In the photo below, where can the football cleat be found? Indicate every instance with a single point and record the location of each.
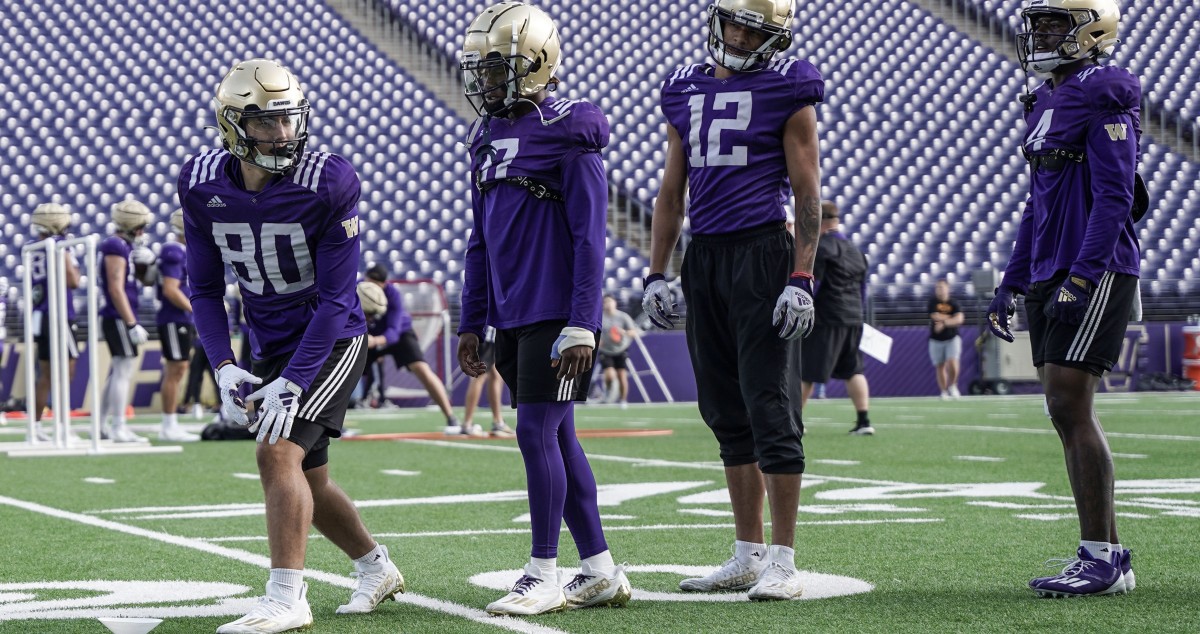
(501, 430)
(121, 433)
(471, 430)
(777, 583)
(591, 589)
(863, 430)
(453, 430)
(1127, 570)
(734, 574)
(270, 616)
(1081, 576)
(177, 434)
(373, 588)
(530, 595)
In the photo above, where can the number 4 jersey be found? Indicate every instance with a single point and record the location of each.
(732, 133)
(293, 247)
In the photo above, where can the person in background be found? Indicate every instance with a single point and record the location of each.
(175, 330)
(495, 388)
(50, 220)
(945, 346)
(617, 330)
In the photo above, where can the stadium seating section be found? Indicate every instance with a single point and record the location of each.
(919, 130)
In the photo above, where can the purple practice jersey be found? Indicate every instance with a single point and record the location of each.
(732, 131)
(1077, 218)
(116, 245)
(533, 259)
(396, 321)
(293, 247)
(37, 274)
(172, 262)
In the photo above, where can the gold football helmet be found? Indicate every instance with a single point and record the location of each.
(510, 52)
(130, 216)
(177, 222)
(771, 18)
(1091, 32)
(51, 219)
(259, 103)
(371, 296)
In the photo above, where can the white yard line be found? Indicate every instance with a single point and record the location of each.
(429, 603)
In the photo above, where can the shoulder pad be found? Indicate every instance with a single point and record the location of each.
(681, 73)
(802, 75)
(1110, 88)
(587, 124)
(201, 168)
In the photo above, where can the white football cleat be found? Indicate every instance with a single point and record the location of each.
(374, 588)
(530, 595)
(734, 574)
(121, 433)
(777, 584)
(176, 434)
(591, 589)
(271, 616)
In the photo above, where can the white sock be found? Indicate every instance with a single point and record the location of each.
(745, 551)
(285, 585)
(372, 560)
(169, 421)
(781, 555)
(601, 563)
(547, 569)
(1098, 550)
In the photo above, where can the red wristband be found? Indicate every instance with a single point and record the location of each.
(801, 274)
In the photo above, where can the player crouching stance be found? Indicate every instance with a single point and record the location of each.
(303, 317)
(534, 266)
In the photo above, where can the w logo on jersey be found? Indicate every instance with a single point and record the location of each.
(1116, 131)
(351, 227)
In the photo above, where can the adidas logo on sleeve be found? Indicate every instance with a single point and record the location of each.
(216, 201)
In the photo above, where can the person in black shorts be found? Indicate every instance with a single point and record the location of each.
(1076, 257)
(175, 329)
(832, 350)
(51, 220)
(390, 333)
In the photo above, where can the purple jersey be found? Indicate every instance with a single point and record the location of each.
(118, 246)
(37, 275)
(533, 259)
(396, 321)
(732, 132)
(172, 262)
(293, 247)
(1077, 218)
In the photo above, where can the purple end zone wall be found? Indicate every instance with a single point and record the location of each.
(1154, 347)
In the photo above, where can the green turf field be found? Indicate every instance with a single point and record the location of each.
(933, 525)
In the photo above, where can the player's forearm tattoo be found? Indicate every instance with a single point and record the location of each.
(808, 229)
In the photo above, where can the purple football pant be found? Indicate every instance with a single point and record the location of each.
(560, 481)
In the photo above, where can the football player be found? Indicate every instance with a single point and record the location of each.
(124, 258)
(534, 266)
(390, 333)
(1076, 257)
(174, 328)
(51, 220)
(741, 134)
(286, 222)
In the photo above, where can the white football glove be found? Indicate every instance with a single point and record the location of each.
(142, 255)
(229, 380)
(657, 302)
(280, 402)
(138, 335)
(794, 314)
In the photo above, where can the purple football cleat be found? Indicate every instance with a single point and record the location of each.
(1127, 570)
(1082, 576)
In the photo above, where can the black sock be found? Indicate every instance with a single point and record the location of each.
(863, 420)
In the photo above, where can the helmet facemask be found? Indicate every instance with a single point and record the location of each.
(776, 39)
(283, 131)
(494, 84)
(1073, 45)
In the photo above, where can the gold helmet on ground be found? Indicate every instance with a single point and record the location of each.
(260, 103)
(510, 52)
(51, 219)
(1091, 32)
(771, 18)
